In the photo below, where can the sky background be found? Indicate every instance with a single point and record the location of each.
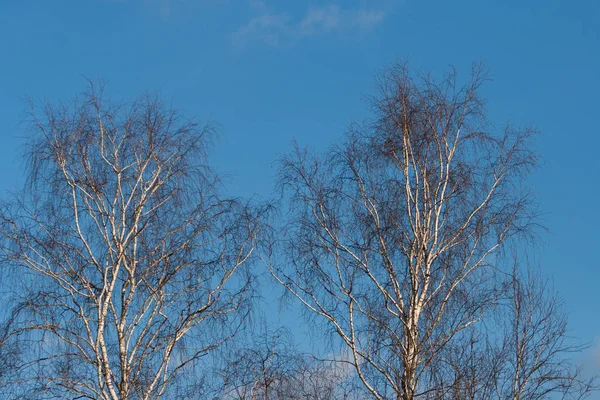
(269, 72)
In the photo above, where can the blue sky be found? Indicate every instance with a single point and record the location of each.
(271, 71)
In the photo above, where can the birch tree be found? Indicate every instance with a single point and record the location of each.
(395, 236)
(536, 349)
(525, 351)
(128, 265)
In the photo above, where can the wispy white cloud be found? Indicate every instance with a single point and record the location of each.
(594, 355)
(367, 19)
(266, 27)
(277, 28)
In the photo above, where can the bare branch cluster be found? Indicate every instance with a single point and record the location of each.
(272, 368)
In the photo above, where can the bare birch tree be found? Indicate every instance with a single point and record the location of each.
(535, 350)
(128, 265)
(395, 237)
(524, 352)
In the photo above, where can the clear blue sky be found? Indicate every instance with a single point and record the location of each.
(272, 71)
